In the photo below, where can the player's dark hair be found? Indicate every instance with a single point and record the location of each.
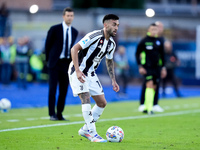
(110, 16)
(68, 9)
(152, 24)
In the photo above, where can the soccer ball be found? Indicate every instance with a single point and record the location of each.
(5, 104)
(115, 134)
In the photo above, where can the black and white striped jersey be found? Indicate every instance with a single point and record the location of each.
(94, 48)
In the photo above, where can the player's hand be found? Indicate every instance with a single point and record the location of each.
(80, 76)
(115, 86)
(142, 71)
(163, 72)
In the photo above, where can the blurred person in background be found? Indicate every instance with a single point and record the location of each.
(7, 59)
(156, 107)
(23, 53)
(121, 69)
(59, 41)
(36, 64)
(4, 13)
(148, 55)
(171, 62)
(13, 57)
(1, 42)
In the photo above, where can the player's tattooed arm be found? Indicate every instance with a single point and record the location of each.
(85, 98)
(110, 68)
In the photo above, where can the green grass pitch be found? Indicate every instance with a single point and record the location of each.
(177, 128)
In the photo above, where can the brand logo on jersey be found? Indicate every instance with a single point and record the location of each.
(157, 42)
(149, 47)
(101, 41)
(85, 41)
(100, 46)
(98, 60)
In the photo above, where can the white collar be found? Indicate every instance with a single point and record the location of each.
(65, 26)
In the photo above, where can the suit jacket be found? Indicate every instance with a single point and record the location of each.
(54, 43)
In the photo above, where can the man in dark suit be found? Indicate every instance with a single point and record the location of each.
(59, 41)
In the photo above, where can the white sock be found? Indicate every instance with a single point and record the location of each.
(96, 112)
(87, 115)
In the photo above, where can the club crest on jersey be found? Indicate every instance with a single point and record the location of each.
(85, 41)
(157, 42)
(101, 41)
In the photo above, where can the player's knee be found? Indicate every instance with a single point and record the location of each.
(102, 104)
(149, 84)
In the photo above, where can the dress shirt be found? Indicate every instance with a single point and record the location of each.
(62, 55)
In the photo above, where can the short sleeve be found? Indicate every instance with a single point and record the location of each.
(110, 53)
(89, 38)
(85, 41)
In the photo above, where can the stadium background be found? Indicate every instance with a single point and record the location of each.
(180, 19)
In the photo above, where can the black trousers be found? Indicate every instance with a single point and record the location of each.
(58, 76)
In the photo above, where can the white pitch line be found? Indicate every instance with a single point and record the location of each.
(176, 106)
(136, 110)
(13, 120)
(31, 119)
(43, 126)
(167, 107)
(65, 116)
(103, 120)
(185, 106)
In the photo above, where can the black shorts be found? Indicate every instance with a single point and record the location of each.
(153, 73)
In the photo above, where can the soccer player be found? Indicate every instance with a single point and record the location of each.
(149, 54)
(86, 57)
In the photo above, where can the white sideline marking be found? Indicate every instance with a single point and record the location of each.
(13, 120)
(30, 119)
(103, 120)
(66, 116)
(136, 110)
(176, 106)
(43, 118)
(185, 106)
(167, 107)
